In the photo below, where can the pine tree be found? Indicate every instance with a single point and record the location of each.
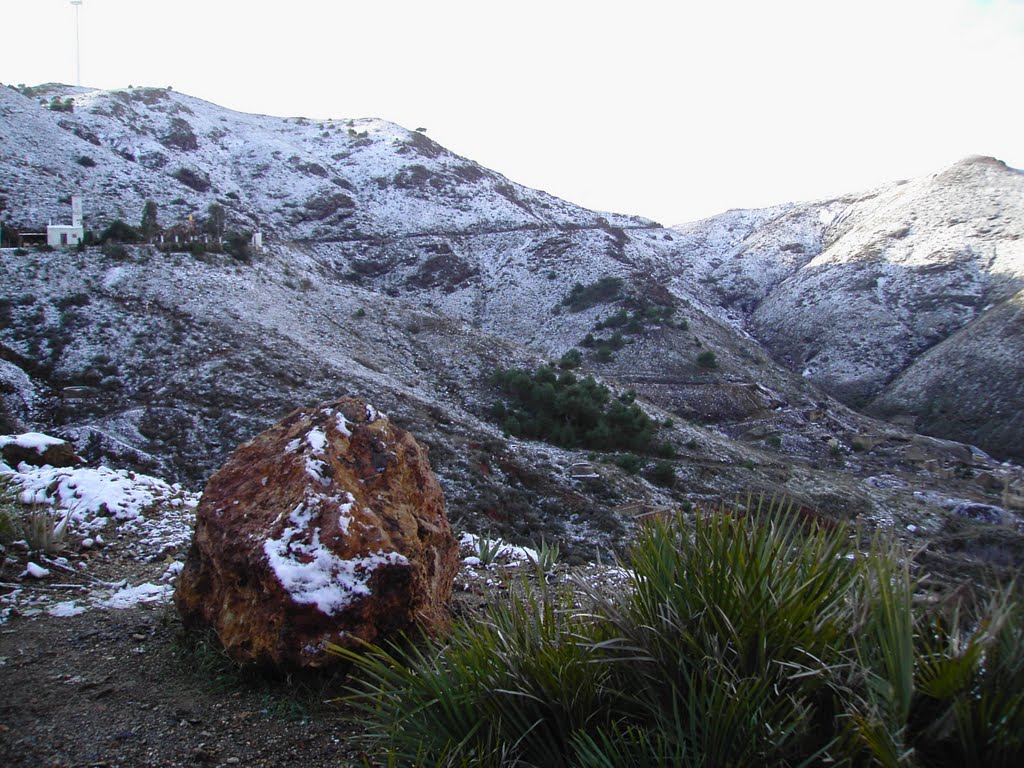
(215, 221)
(149, 227)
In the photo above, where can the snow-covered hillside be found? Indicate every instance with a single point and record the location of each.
(397, 270)
(862, 294)
(289, 178)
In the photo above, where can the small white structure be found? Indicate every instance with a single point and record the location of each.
(63, 235)
(257, 241)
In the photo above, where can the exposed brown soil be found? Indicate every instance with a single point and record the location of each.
(125, 688)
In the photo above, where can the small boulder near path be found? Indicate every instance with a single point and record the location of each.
(37, 450)
(329, 527)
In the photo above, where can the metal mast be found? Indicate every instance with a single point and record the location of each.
(78, 55)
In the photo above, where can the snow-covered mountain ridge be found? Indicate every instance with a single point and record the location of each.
(891, 300)
(396, 269)
(292, 179)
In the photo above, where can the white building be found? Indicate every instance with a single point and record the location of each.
(63, 235)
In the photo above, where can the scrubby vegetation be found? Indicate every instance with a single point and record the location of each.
(636, 321)
(707, 360)
(59, 105)
(195, 180)
(32, 524)
(120, 232)
(582, 297)
(634, 318)
(740, 640)
(571, 359)
(571, 412)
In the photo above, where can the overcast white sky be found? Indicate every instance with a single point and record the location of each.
(675, 110)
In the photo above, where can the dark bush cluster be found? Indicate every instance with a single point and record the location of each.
(707, 360)
(571, 412)
(65, 105)
(120, 232)
(636, 321)
(605, 290)
(571, 359)
(192, 179)
(180, 136)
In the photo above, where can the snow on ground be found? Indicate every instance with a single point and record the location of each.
(495, 550)
(126, 535)
(103, 516)
(31, 441)
(488, 563)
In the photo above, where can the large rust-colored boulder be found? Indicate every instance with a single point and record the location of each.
(327, 528)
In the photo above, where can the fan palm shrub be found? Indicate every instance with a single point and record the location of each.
(742, 639)
(939, 685)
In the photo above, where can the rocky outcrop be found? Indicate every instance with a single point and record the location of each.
(329, 527)
(971, 386)
(37, 450)
(898, 273)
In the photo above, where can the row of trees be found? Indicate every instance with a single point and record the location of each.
(212, 230)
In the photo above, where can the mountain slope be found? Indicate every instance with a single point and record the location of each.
(290, 178)
(853, 292)
(971, 385)
(398, 271)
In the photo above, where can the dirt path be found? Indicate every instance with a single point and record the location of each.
(113, 688)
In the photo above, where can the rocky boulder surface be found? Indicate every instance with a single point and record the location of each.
(329, 527)
(37, 450)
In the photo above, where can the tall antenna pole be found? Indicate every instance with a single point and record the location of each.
(78, 54)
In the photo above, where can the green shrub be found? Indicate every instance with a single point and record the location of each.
(635, 322)
(192, 179)
(617, 320)
(65, 105)
(120, 232)
(547, 556)
(663, 474)
(629, 462)
(149, 227)
(86, 162)
(707, 360)
(571, 359)
(603, 291)
(741, 639)
(665, 450)
(569, 411)
(487, 549)
(237, 245)
(115, 251)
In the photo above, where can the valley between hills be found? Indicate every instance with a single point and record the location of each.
(861, 357)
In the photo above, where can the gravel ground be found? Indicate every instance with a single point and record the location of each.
(124, 688)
